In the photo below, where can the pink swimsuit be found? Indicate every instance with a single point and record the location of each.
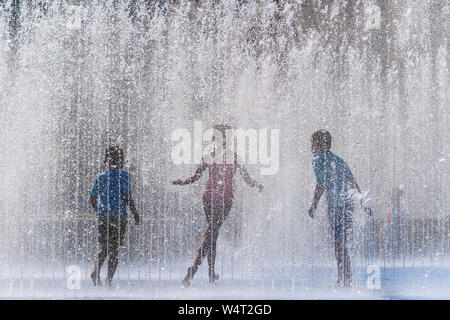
(219, 189)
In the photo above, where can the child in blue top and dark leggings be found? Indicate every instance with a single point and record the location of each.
(109, 197)
(335, 178)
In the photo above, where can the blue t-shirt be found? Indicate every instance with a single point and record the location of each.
(336, 175)
(110, 187)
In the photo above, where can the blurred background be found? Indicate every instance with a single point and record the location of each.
(78, 75)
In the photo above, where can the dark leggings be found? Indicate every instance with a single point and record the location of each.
(215, 216)
(340, 219)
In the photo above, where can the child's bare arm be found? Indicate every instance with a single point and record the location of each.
(129, 200)
(248, 180)
(198, 173)
(93, 201)
(318, 191)
(354, 185)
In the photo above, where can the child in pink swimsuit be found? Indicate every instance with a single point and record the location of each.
(217, 201)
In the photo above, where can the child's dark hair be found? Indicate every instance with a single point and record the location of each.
(114, 157)
(322, 138)
(223, 129)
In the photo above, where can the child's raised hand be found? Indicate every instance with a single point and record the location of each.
(136, 219)
(367, 204)
(311, 212)
(368, 211)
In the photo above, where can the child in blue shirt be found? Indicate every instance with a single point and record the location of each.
(335, 178)
(109, 197)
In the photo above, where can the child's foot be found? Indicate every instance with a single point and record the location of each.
(96, 279)
(214, 278)
(185, 283)
(109, 283)
(348, 283)
(112, 286)
(187, 280)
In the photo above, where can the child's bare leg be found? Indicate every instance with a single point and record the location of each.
(217, 223)
(212, 256)
(201, 253)
(112, 264)
(101, 257)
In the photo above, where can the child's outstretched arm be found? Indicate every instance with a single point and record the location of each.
(248, 180)
(318, 191)
(198, 173)
(129, 200)
(93, 201)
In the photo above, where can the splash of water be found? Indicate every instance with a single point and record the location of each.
(76, 77)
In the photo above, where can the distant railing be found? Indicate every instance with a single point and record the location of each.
(173, 237)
